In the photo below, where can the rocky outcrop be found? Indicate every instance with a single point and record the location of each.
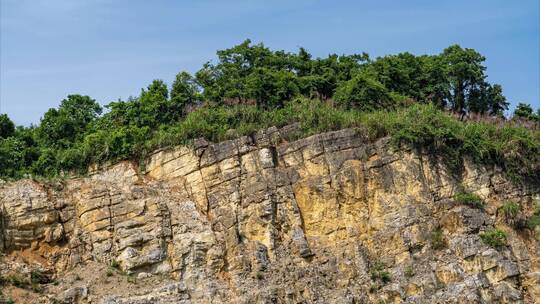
(332, 218)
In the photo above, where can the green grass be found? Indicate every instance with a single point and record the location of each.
(379, 273)
(495, 238)
(115, 264)
(514, 148)
(469, 199)
(510, 209)
(534, 219)
(423, 126)
(437, 239)
(409, 271)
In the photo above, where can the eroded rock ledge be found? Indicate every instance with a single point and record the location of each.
(262, 220)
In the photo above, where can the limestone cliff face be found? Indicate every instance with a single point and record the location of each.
(331, 218)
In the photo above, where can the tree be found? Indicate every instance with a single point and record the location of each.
(152, 105)
(7, 127)
(271, 88)
(11, 157)
(523, 110)
(497, 103)
(61, 127)
(185, 91)
(363, 92)
(465, 73)
(403, 73)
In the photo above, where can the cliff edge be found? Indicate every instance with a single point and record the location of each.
(332, 218)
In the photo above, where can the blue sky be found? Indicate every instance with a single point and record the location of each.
(111, 49)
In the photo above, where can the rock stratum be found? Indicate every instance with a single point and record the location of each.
(332, 218)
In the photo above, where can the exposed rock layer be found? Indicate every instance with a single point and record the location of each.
(331, 218)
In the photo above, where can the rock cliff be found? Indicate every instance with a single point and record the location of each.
(332, 218)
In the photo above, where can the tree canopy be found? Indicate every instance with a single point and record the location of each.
(80, 132)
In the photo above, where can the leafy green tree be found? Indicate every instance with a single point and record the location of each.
(403, 73)
(46, 164)
(185, 91)
(226, 79)
(151, 108)
(153, 105)
(328, 73)
(12, 152)
(7, 127)
(365, 93)
(523, 110)
(465, 72)
(271, 88)
(487, 99)
(437, 88)
(61, 127)
(497, 102)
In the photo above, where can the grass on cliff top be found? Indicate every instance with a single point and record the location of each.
(514, 148)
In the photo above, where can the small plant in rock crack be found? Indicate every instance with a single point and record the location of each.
(409, 271)
(374, 287)
(36, 288)
(18, 281)
(469, 199)
(131, 279)
(495, 238)
(510, 211)
(115, 264)
(38, 277)
(437, 239)
(534, 220)
(379, 273)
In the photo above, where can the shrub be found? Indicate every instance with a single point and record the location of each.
(378, 273)
(38, 277)
(437, 239)
(494, 237)
(18, 281)
(469, 199)
(534, 220)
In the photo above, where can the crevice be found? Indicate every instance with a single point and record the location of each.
(3, 227)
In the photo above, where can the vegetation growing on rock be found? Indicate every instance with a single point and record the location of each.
(469, 199)
(418, 100)
(495, 238)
